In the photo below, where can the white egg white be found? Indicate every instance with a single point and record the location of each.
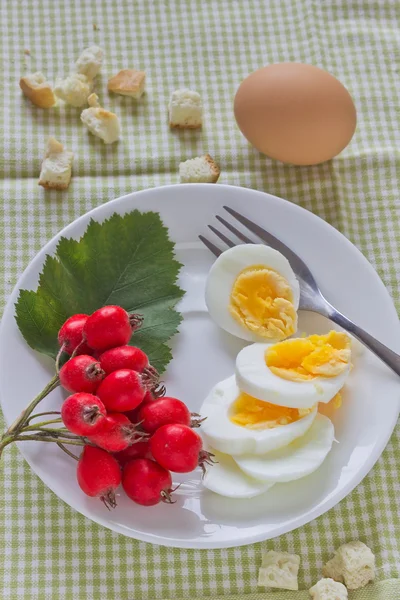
(225, 436)
(300, 458)
(254, 377)
(226, 479)
(223, 274)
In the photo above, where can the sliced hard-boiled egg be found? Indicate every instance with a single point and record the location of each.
(300, 458)
(225, 478)
(252, 292)
(296, 373)
(239, 424)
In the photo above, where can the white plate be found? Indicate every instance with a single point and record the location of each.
(203, 355)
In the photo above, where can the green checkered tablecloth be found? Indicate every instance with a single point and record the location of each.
(48, 550)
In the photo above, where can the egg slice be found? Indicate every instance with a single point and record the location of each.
(252, 292)
(296, 373)
(237, 424)
(226, 479)
(300, 458)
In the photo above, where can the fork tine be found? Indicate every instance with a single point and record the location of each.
(222, 237)
(233, 229)
(212, 247)
(296, 262)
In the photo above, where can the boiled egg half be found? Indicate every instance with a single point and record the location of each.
(226, 479)
(298, 459)
(252, 293)
(239, 424)
(295, 373)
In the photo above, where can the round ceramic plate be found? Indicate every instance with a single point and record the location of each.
(203, 355)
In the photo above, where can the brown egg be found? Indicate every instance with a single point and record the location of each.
(295, 113)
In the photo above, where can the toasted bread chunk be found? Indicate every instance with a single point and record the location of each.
(202, 169)
(38, 90)
(328, 589)
(353, 564)
(101, 122)
(128, 82)
(185, 109)
(89, 62)
(279, 570)
(74, 90)
(56, 166)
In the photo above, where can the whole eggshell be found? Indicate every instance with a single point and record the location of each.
(295, 113)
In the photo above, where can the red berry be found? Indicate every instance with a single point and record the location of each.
(148, 397)
(99, 474)
(81, 374)
(110, 326)
(133, 415)
(137, 450)
(122, 390)
(83, 414)
(178, 448)
(154, 415)
(116, 433)
(146, 482)
(71, 335)
(124, 357)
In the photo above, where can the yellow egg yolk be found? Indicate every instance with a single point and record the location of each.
(256, 414)
(303, 359)
(262, 301)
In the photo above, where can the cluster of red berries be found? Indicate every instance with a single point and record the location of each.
(136, 436)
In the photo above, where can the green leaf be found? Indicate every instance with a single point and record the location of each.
(126, 260)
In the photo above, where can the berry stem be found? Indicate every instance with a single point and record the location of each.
(41, 425)
(64, 449)
(196, 420)
(24, 416)
(44, 438)
(43, 414)
(57, 432)
(58, 357)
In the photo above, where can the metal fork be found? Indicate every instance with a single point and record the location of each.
(311, 298)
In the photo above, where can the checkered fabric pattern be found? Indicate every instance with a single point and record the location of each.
(48, 550)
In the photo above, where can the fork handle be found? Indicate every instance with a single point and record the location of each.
(388, 356)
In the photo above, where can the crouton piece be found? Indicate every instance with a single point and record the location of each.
(101, 122)
(89, 62)
(353, 564)
(202, 169)
(56, 166)
(279, 570)
(93, 100)
(185, 109)
(38, 90)
(74, 90)
(328, 589)
(128, 82)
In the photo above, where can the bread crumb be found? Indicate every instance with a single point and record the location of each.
(328, 589)
(279, 570)
(101, 122)
(185, 109)
(93, 100)
(38, 90)
(128, 82)
(74, 90)
(90, 61)
(202, 169)
(27, 52)
(95, 27)
(353, 564)
(56, 166)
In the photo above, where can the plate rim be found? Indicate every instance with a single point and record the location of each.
(37, 262)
